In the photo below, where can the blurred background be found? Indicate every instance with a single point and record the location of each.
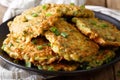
(114, 4)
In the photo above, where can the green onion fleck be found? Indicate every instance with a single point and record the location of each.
(103, 25)
(55, 30)
(74, 20)
(40, 47)
(64, 34)
(11, 44)
(72, 4)
(50, 68)
(3, 46)
(88, 67)
(48, 14)
(16, 61)
(28, 64)
(57, 33)
(39, 67)
(37, 58)
(82, 6)
(45, 44)
(34, 15)
(49, 44)
(93, 22)
(44, 7)
(108, 60)
(75, 13)
(64, 19)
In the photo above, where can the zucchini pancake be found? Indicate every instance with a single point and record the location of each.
(61, 37)
(102, 32)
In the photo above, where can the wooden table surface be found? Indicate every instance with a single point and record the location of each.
(110, 73)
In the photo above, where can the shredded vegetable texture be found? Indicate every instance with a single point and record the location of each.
(57, 37)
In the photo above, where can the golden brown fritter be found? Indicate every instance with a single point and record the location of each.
(31, 29)
(102, 32)
(38, 50)
(69, 43)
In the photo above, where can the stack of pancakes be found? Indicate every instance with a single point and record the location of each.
(61, 37)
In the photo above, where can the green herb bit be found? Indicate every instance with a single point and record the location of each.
(49, 44)
(57, 33)
(50, 68)
(72, 4)
(64, 34)
(11, 44)
(88, 67)
(37, 58)
(108, 60)
(3, 46)
(44, 7)
(93, 22)
(82, 6)
(103, 25)
(28, 64)
(64, 19)
(55, 30)
(48, 14)
(15, 61)
(75, 13)
(74, 20)
(40, 47)
(44, 44)
(34, 15)
(39, 67)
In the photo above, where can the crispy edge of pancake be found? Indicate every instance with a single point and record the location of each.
(67, 49)
(61, 10)
(61, 66)
(70, 10)
(103, 57)
(92, 34)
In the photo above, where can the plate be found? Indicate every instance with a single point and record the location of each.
(4, 31)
